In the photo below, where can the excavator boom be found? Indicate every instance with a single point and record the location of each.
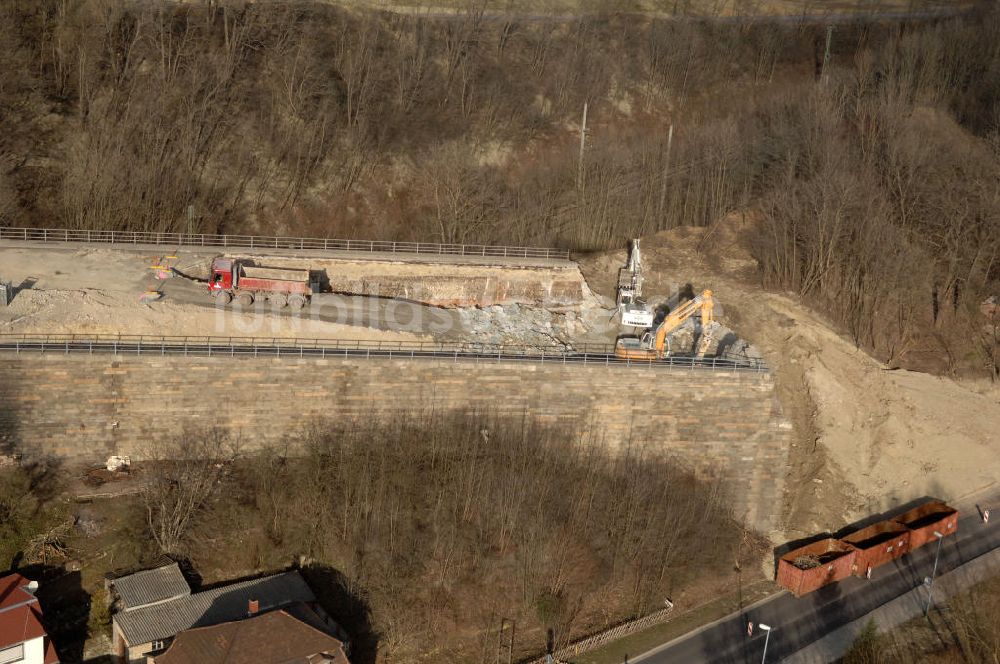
(632, 308)
(652, 346)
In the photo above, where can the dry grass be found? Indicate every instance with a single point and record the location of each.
(684, 620)
(965, 629)
(425, 530)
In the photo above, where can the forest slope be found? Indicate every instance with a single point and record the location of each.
(872, 183)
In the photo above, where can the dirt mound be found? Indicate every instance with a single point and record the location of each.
(867, 438)
(895, 435)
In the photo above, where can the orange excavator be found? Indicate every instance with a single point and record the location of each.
(655, 344)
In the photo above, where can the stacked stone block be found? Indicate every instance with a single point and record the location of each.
(86, 408)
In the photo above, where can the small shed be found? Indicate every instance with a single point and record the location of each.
(924, 519)
(6, 293)
(815, 565)
(878, 544)
(150, 586)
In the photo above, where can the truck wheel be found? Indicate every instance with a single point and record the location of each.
(245, 299)
(280, 301)
(222, 298)
(296, 301)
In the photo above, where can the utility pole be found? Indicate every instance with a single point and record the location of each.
(825, 74)
(190, 219)
(583, 144)
(666, 169)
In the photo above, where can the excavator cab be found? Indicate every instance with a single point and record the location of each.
(635, 348)
(654, 344)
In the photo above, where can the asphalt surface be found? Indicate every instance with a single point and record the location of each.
(798, 622)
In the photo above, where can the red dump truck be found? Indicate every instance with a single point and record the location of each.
(246, 282)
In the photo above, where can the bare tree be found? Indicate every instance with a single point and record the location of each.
(565, 535)
(181, 478)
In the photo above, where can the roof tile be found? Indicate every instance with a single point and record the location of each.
(269, 638)
(13, 591)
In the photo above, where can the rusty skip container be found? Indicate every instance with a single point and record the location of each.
(815, 565)
(924, 519)
(878, 544)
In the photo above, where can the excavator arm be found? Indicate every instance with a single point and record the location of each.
(632, 308)
(653, 346)
(701, 304)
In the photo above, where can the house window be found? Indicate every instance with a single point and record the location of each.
(157, 646)
(12, 654)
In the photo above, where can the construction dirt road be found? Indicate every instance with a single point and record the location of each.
(99, 290)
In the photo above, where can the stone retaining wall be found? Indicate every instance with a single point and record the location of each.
(88, 407)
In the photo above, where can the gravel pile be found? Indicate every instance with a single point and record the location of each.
(725, 343)
(518, 325)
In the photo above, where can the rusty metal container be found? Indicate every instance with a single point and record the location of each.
(878, 544)
(815, 565)
(924, 519)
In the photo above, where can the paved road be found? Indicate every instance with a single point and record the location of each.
(797, 622)
(355, 310)
(900, 610)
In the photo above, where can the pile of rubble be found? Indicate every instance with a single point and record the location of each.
(516, 325)
(725, 343)
(520, 325)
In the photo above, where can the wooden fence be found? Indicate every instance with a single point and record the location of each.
(607, 636)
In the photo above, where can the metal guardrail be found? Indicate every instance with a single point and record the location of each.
(274, 242)
(589, 354)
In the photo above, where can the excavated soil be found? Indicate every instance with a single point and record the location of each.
(867, 438)
(100, 291)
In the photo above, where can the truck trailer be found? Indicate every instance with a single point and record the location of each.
(242, 280)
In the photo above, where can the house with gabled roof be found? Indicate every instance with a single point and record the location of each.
(294, 635)
(153, 606)
(23, 638)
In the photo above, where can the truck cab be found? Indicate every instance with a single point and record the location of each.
(222, 275)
